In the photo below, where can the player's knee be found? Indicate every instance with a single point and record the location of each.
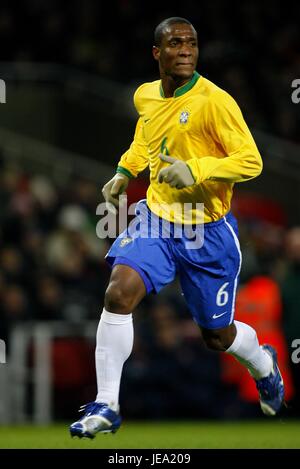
(218, 339)
(117, 301)
(214, 343)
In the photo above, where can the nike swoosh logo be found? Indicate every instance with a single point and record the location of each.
(216, 316)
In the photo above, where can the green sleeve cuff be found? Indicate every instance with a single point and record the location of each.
(124, 171)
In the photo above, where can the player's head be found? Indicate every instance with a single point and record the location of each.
(176, 48)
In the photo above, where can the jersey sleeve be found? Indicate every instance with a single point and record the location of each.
(225, 125)
(136, 158)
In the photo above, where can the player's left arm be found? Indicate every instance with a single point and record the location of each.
(178, 174)
(225, 124)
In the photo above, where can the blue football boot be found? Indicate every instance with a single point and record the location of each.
(98, 417)
(271, 388)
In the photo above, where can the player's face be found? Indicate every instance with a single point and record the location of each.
(178, 52)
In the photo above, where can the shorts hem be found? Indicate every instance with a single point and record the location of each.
(120, 260)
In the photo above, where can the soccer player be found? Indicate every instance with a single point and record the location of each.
(194, 139)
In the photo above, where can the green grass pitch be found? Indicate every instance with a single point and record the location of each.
(141, 435)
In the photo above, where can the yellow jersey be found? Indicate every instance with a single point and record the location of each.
(202, 125)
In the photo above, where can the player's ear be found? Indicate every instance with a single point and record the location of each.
(156, 52)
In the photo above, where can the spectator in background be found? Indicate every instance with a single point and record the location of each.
(259, 304)
(14, 309)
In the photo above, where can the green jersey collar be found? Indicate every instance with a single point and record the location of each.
(182, 89)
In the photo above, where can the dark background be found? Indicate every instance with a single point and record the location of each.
(71, 69)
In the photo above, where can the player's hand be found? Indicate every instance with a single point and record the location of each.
(113, 189)
(177, 175)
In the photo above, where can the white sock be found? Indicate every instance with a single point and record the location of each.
(245, 348)
(113, 347)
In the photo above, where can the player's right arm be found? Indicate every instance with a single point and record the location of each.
(136, 158)
(132, 162)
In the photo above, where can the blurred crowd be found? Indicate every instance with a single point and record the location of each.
(52, 267)
(249, 48)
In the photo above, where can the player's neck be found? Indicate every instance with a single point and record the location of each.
(170, 84)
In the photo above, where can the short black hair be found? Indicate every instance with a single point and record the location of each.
(159, 30)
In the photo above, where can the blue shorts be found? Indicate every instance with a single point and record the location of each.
(208, 274)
